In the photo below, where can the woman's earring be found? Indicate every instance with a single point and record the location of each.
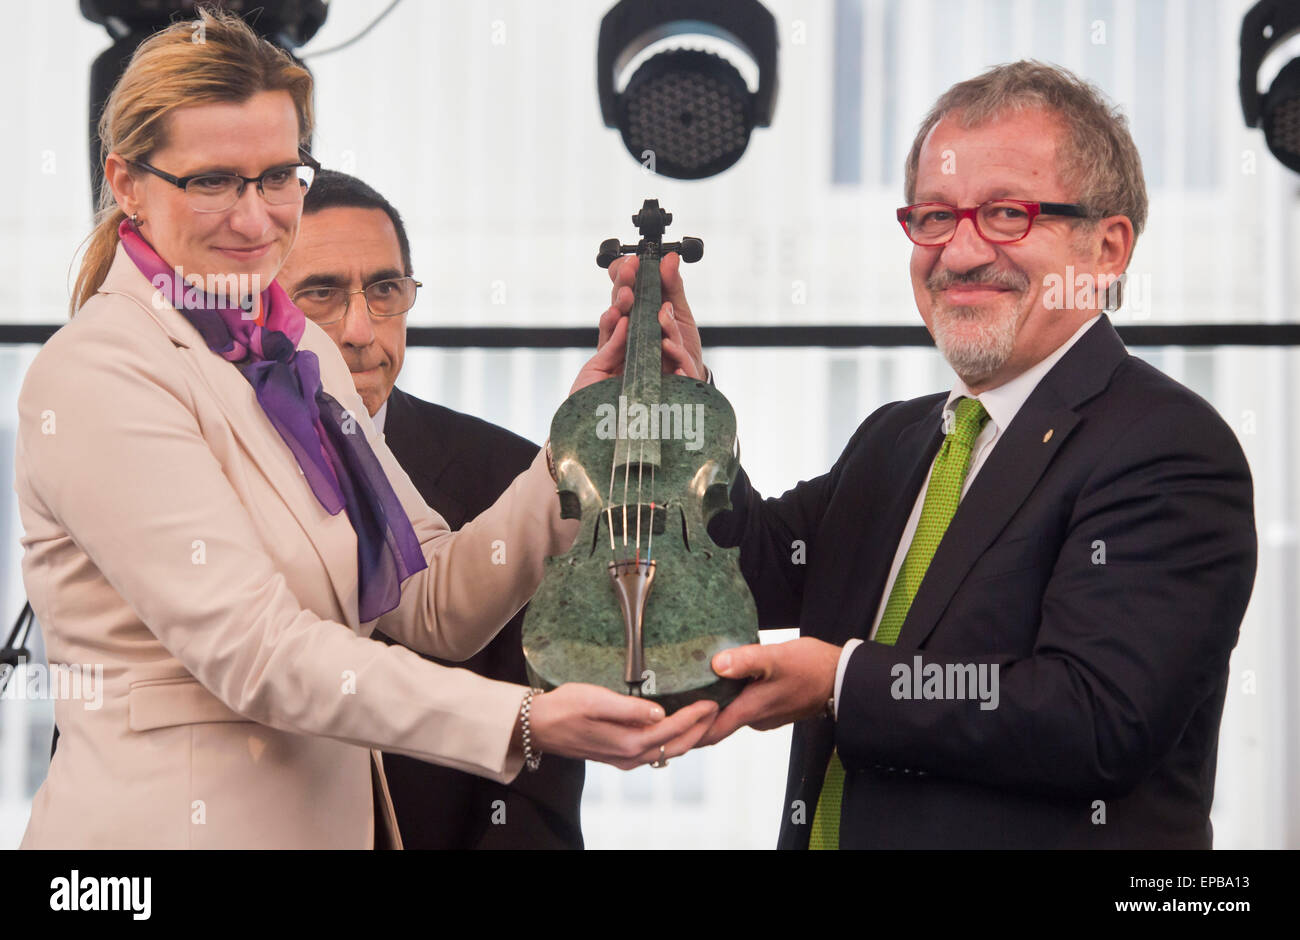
(135, 219)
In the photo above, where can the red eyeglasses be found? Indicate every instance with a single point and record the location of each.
(1000, 221)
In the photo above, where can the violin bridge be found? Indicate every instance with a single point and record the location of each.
(632, 582)
(652, 519)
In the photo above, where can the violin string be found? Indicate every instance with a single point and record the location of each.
(609, 502)
(632, 356)
(650, 540)
(613, 461)
(651, 534)
(654, 260)
(639, 469)
(609, 510)
(627, 469)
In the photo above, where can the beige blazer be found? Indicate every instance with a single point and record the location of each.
(171, 538)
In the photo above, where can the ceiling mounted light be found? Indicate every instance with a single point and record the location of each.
(685, 112)
(1267, 25)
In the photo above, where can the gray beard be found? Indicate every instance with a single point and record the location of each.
(975, 357)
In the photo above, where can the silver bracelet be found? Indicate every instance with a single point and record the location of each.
(532, 759)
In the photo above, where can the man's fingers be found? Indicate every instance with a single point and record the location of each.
(673, 286)
(684, 741)
(675, 359)
(675, 725)
(741, 661)
(670, 275)
(610, 355)
(620, 305)
(696, 711)
(623, 297)
(668, 323)
(624, 279)
(699, 716)
(674, 315)
(729, 719)
(757, 706)
(623, 265)
(622, 275)
(605, 327)
(616, 267)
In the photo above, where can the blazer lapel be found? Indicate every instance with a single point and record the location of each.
(1035, 435)
(412, 442)
(335, 544)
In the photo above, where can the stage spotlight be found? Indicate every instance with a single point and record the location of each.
(686, 113)
(1266, 26)
(286, 23)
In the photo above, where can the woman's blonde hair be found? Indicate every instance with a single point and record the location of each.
(213, 58)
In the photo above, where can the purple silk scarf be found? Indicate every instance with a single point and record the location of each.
(327, 442)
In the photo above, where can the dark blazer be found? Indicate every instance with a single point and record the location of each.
(1111, 675)
(461, 464)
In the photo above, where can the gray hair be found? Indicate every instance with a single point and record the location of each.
(1099, 160)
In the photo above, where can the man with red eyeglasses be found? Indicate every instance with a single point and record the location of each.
(1018, 597)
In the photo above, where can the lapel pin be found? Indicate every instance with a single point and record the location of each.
(1048, 436)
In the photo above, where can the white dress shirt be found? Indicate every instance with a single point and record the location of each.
(378, 417)
(1001, 403)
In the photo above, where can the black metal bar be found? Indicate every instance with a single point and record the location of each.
(837, 337)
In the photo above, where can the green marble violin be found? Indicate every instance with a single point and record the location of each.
(644, 598)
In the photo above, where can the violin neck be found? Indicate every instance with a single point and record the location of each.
(643, 362)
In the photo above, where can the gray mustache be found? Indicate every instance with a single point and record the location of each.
(1010, 280)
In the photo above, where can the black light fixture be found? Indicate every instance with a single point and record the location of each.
(686, 113)
(1277, 111)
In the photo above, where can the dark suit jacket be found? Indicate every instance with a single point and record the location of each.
(1111, 676)
(460, 465)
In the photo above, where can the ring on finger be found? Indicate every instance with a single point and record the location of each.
(662, 761)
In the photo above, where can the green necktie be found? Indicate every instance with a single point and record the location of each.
(941, 499)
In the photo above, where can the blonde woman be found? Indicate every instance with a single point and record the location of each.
(210, 515)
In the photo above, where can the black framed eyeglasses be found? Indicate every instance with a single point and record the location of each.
(216, 192)
(325, 305)
(1001, 221)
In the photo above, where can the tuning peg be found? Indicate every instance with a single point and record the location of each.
(691, 249)
(610, 249)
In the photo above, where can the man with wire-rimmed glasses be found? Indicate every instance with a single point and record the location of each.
(350, 272)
